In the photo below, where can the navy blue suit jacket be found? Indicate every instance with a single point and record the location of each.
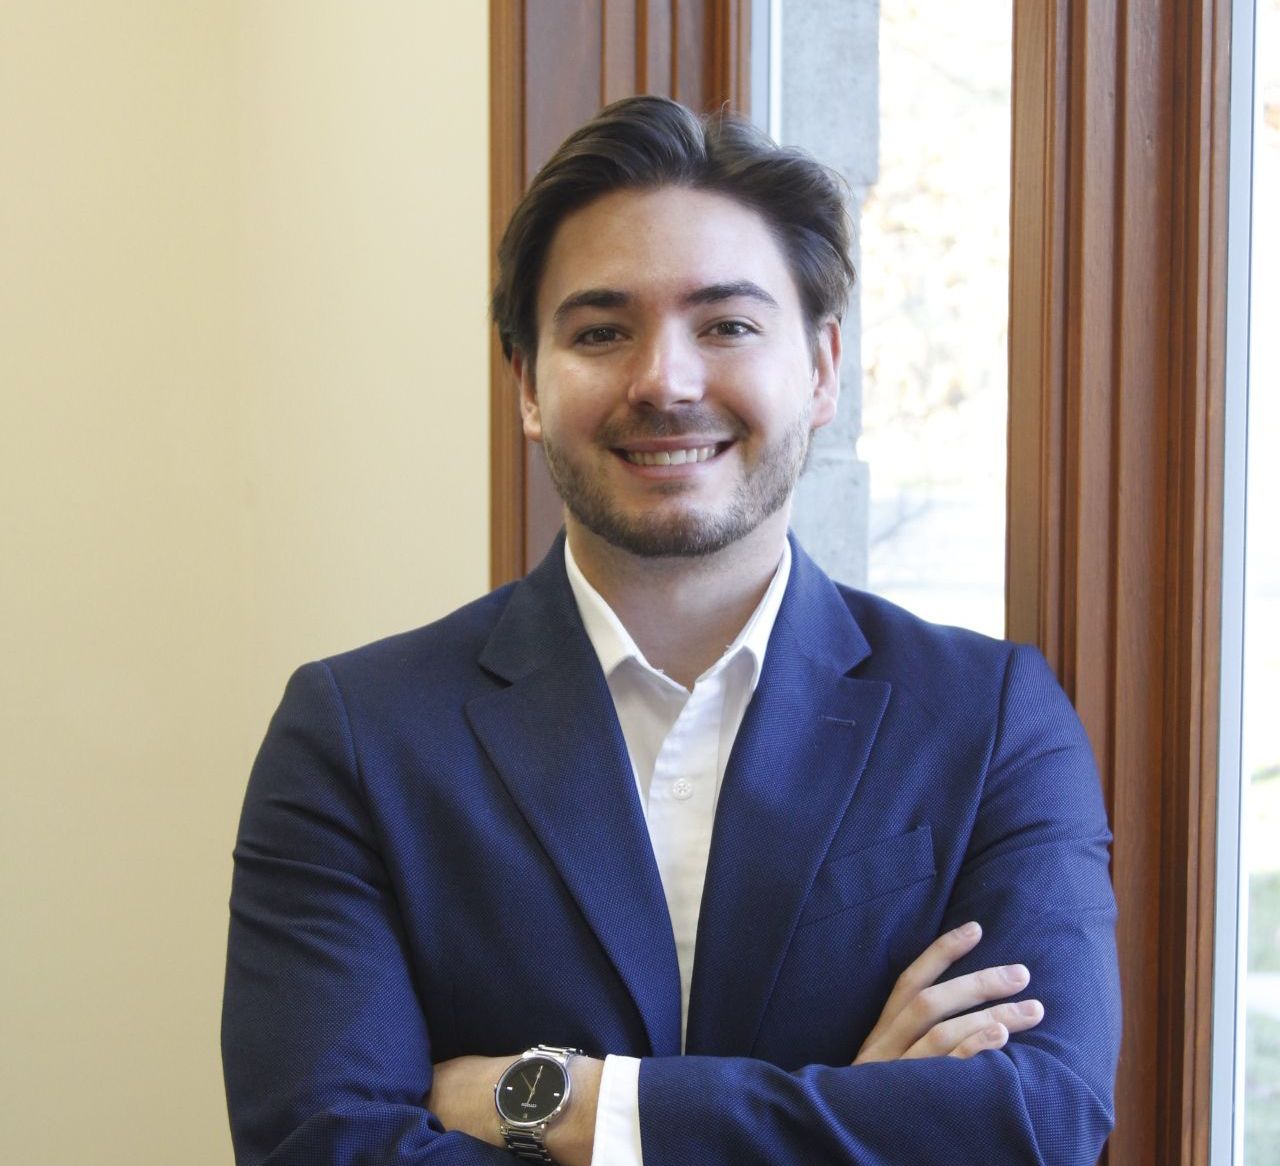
(443, 852)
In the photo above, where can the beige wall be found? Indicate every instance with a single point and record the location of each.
(243, 362)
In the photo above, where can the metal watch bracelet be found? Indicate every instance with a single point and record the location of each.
(529, 1145)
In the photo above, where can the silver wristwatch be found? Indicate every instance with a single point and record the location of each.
(532, 1093)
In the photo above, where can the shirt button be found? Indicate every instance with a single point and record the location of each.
(682, 788)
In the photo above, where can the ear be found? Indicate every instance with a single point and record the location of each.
(826, 373)
(530, 413)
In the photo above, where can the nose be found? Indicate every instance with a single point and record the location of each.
(668, 371)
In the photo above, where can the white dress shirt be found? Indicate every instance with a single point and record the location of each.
(679, 743)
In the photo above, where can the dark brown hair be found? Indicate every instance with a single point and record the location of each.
(642, 143)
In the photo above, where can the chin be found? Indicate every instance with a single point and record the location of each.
(684, 536)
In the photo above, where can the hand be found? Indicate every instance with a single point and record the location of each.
(926, 1019)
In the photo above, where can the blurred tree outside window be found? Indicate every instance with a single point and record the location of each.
(935, 292)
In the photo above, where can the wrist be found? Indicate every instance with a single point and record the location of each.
(571, 1140)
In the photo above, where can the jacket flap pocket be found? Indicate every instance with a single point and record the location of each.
(883, 866)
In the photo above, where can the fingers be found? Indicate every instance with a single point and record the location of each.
(950, 998)
(974, 1032)
(992, 1037)
(928, 966)
(891, 1036)
(924, 1018)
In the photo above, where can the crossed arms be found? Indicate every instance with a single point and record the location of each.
(334, 1014)
(923, 1017)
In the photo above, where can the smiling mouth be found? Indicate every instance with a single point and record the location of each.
(672, 457)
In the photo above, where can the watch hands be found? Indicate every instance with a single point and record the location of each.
(536, 1077)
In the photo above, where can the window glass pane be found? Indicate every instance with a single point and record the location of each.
(1260, 746)
(935, 290)
(910, 101)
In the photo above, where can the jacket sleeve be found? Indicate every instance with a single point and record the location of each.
(325, 1048)
(1035, 874)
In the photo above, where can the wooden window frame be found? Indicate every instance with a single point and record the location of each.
(1116, 360)
(1117, 374)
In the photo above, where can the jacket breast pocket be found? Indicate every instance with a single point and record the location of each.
(886, 865)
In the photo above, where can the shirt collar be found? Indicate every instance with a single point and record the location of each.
(613, 643)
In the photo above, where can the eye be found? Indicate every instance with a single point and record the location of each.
(732, 329)
(600, 334)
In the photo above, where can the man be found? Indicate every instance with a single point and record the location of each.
(789, 898)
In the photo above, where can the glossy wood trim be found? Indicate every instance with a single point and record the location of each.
(506, 181)
(1201, 43)
(1115, 481)
(729, 53)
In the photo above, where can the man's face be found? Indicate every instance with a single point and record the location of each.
(676, 384)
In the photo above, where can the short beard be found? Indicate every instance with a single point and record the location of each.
(686, 533)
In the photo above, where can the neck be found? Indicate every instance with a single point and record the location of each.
(682, 612)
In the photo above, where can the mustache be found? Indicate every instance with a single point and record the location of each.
(678, 423)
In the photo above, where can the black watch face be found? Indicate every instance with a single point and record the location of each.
(532, 1090)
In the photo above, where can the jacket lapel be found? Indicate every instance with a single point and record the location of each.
(795, 765)
(554, 738)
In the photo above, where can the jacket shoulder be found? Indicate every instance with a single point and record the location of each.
(888, 625)
(937, 661)
(439, 655)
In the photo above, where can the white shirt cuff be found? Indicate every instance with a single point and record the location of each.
(618, 1114)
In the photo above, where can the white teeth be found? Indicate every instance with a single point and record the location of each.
(674, 457)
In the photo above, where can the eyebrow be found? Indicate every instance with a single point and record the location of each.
(737, 289)
(593, 297)
(714, 293)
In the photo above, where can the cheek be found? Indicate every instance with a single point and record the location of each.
(568, 414)
(574, 398)
(769, 405)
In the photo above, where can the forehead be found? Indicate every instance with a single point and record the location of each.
(658, 244)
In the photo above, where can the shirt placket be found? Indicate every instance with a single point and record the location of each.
(682, 812)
